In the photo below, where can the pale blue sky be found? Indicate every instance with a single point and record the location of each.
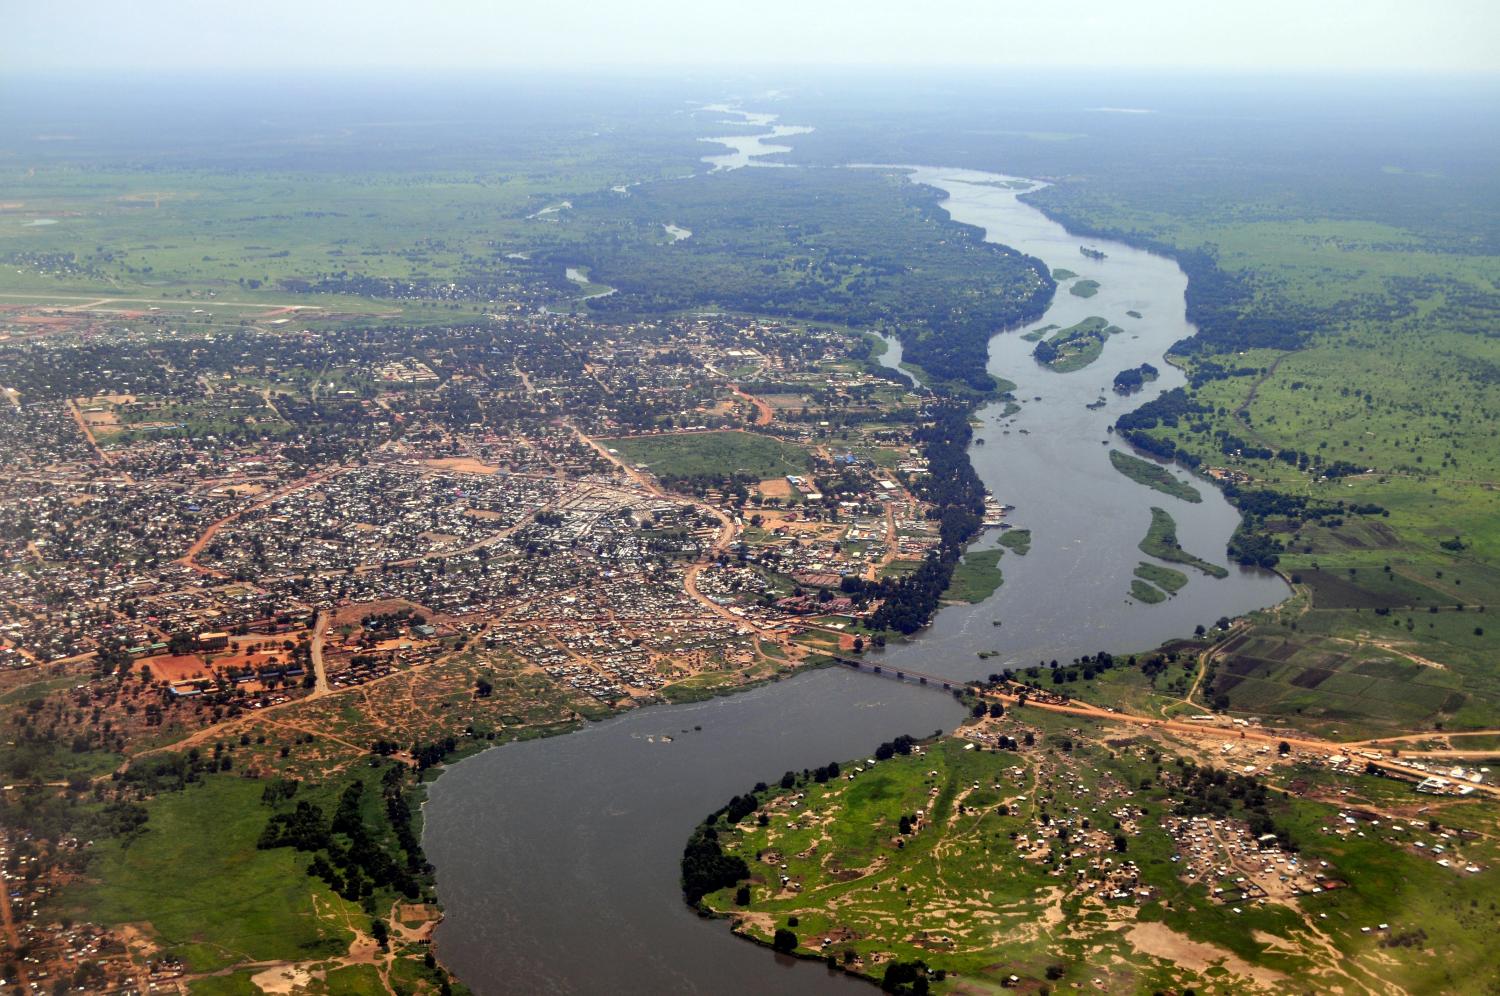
(582, 35)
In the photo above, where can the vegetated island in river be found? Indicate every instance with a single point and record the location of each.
(1161, 543)
(1153, 582)
(1076, 346)
(1132, 380)
(1153, 476)
(1143, 592)
(1018, 541)
(1084, 288)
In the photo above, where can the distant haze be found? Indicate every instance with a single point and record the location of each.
(274, 35)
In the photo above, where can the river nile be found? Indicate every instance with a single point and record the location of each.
(557, 860)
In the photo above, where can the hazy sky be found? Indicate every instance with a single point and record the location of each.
(1307, 35)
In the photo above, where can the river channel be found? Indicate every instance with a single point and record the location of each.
(557, 859)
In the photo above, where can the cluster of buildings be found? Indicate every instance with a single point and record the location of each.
(1235, 865)
(78, 957)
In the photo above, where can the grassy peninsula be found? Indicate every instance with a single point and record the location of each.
(976, 577)
(1161, 543)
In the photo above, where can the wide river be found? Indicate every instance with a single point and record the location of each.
(557, 860)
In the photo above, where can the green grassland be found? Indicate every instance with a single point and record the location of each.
(256, 238)
(1359, 673)
(1060, 274)
(1161, 543)
(1153, 476)
(208, 894)
(976, 577)
(1084, 288)
(956, 894)
(713, 454)
(234, 218)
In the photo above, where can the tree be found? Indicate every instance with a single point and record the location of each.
(905, 978)
(706, 868)
(1283, 748)
(785, 941)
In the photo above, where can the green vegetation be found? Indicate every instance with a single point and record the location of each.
(1164, 578)
(1143, 592)
(712, 454)
(1161, 543)
(1018, 541)
(864, 248)
(1075, 347)
(976, 577)
(1060, 274)
(1344, 293)
(1036, 335)
(1153, 475)
(210, 895)
(866, 865)
(1084, 288)
(357, 980)
(1386, 679)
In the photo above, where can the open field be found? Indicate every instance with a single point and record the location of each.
(712, 454)
(208, 894)
(1362, 674)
